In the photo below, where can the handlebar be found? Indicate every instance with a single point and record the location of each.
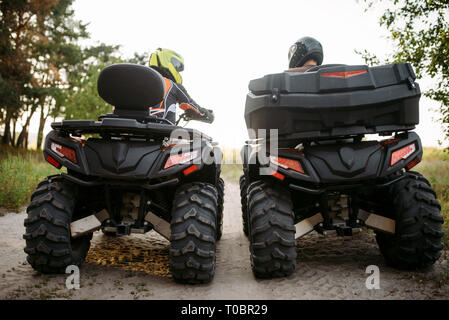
(206, 116)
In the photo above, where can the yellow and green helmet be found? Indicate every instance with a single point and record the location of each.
(168, 60)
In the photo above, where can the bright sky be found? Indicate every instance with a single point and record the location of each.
(225, 44)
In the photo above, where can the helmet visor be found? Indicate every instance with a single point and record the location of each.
(179, 66)
(292, 51)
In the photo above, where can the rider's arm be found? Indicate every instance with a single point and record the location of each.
(185, 101)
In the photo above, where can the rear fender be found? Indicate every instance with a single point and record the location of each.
(81, 166)
(349, 163)
(204, 167)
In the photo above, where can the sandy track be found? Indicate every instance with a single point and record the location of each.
(136, 267)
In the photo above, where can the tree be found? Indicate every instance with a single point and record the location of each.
(419, 31)
(15, 43)
(82, 100)
(55, 52)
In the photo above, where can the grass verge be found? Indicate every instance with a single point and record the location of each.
(20, 172)
(435, 168)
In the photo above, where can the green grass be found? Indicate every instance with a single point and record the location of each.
(435, 167)
(20, 172)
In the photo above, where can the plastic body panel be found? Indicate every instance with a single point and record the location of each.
(340, 163)
(131, 161)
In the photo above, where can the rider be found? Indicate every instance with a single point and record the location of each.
(304, 54)
(169, 64)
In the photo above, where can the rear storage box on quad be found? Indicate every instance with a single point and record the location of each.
(334, 100)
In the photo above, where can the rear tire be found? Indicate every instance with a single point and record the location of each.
(417, 242)
(271, 230)
(244, 202)
(220, 207)
(49, 244)
(193, 233)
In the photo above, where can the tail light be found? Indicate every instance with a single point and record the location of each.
(64, 152)
(180, 158)
(402, 154)
(287, 164)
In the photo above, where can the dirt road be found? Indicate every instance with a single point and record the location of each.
(136, 267)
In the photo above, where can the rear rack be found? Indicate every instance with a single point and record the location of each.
(120, 126)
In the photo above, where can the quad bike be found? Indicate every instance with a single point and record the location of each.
(128, 173)
(324, 173)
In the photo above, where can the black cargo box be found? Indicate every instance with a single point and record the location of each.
(334, 101)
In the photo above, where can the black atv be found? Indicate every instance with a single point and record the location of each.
(324, 173)
(128, 173)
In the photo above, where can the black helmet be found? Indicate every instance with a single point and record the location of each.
(303, 50)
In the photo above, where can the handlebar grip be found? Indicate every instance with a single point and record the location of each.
(205, 116)
(209, 116)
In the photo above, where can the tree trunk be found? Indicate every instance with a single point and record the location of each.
(40, 133)
(6, 139)
(22, 140)
(13, 140)
(22, 136)
(25, 145)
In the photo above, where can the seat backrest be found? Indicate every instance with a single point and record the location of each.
(131, 89)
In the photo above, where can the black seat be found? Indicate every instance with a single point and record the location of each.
(131, 89)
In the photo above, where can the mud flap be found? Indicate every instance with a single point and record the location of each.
(160, 225)
(377, 222)
(88, 224)
(307, 225)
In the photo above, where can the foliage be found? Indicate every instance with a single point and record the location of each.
(419, 31)
(42, 67)
(83, 101)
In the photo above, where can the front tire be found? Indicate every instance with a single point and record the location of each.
(417, 241)
(193, 233)
(49, 244)
(271, 230)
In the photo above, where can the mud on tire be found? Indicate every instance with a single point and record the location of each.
(243, 200)
(417, 242)
(271, 230)
(220, 207)
(49, 245)
(193, 233)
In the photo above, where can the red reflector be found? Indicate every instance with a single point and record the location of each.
(402, 154)
(345, 74)
(413, 163)
(189, 170)
(53, 162)
(278, 175)
(287, 163)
